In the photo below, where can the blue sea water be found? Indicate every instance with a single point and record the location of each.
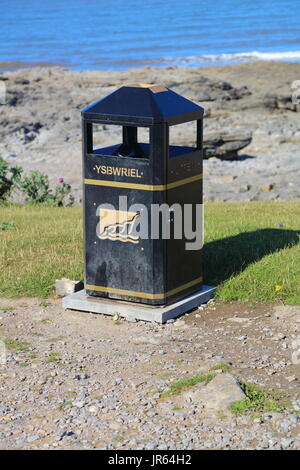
(118, 34)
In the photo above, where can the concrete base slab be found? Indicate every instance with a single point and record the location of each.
(133, 311)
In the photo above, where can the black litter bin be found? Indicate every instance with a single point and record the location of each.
(125, 182)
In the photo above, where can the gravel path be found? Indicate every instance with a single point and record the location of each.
(81, 381)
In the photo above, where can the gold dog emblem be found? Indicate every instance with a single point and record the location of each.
(118, 225)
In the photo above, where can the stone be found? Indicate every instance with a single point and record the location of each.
(225, 146)
(218, 394)
(93, 409)
(79, 404)
(33, 437)
(286, 442)
(136, 383)
(274, 101)
(238, 319)
(278, 337)
(66, 286)
(61, 434)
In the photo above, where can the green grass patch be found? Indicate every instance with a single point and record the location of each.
(46, 244)
(248, 256)
(221, 366)
(118, 438)
(63, 404)
(53, 357)
(7, 225)
(251, 250)
(176, 388)
(45, 304)
(16, 345)
(260, 400)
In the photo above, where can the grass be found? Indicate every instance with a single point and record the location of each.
(16, 345)
(53, 357)
(45, 304)
(7, 225)
(176, 388)
(118, 438)
(248, 256)
(247, 252)
(63, 404)
(222, 366)
(260, 400)
(46, 244)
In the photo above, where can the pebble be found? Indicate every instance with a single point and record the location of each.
(286, 442)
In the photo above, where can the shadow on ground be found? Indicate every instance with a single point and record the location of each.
(229, 256)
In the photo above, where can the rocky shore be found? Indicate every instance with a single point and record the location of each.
(252, 128)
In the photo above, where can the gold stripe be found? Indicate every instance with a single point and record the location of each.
(154, 87)
(184, 286)
(144, 187)
(191, 179)
(145, 295)
(122, 184)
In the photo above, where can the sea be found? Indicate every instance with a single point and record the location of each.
(121, 34)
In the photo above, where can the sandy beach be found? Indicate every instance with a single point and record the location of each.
(244, 104)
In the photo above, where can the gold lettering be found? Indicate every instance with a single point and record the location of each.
(118, 171)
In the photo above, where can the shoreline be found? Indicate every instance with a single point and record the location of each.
(196, 62)
(40, 124)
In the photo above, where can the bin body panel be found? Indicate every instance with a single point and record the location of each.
(184, 267)
(117, 265)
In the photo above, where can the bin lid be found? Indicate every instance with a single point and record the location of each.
(145, 104)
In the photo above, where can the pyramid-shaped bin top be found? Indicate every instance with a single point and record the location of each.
(143, 104)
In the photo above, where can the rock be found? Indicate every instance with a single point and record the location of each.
(218, 90)
(218, 394)
(282, 102)
(93, 409)
(33, 437)
(21, 81)
(225, 146)
(14, 97)
(136, 383)
(115, 426)
(61, 434)
(66, 286)
(79, 404)
(286, 442)
(278, 337)
(238, 319)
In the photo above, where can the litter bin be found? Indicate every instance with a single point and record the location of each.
(126, 185)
